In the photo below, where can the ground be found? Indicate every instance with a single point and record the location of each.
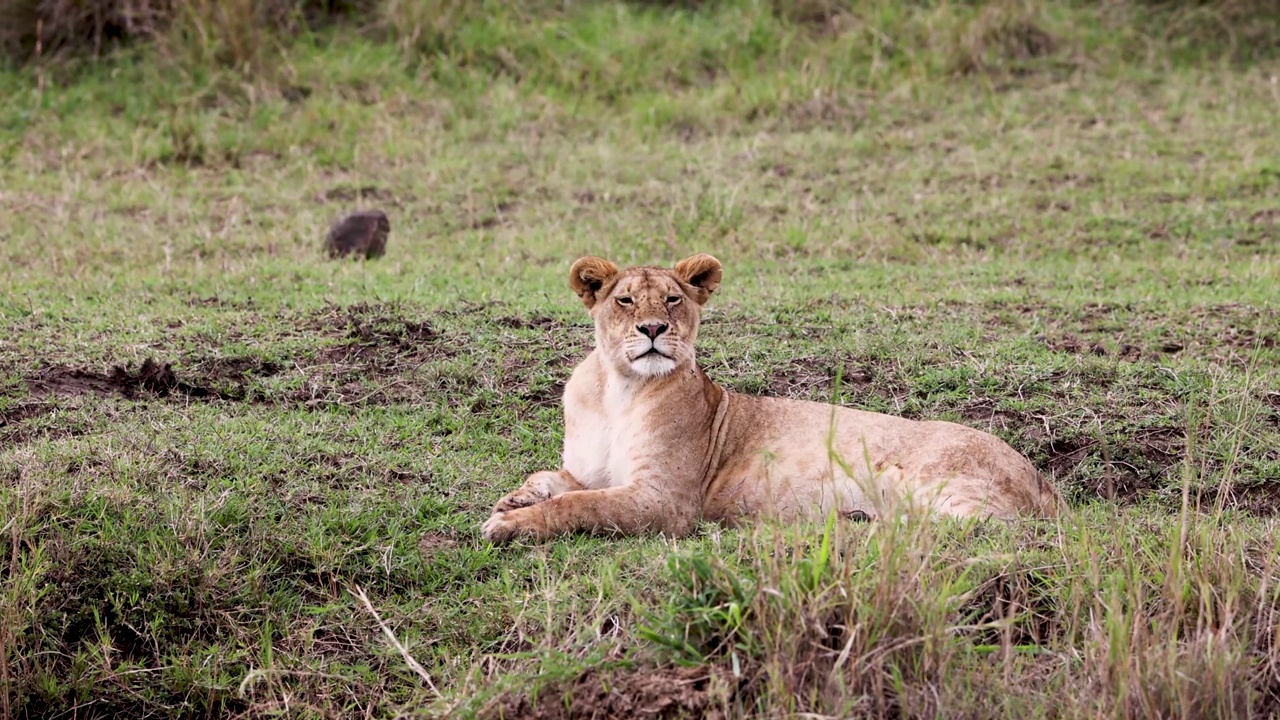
(213, 437)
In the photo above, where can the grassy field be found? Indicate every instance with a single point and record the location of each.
(230, 467)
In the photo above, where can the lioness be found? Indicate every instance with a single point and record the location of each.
(652, 444)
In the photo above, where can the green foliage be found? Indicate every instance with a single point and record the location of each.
(1053, 221)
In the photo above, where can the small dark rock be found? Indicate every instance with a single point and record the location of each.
(363, 233)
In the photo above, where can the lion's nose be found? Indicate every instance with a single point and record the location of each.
(652, 330)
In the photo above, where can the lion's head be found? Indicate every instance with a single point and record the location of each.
(646, 317)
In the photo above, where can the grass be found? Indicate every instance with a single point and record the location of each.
(1068, 240)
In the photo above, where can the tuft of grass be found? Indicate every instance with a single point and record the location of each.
(1003, 36)
(921, 617)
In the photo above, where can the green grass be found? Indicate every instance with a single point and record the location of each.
(1074, 249)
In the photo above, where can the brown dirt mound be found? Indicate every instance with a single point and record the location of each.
(666, 693)
(151, 376)
(212, 379)
(209, 379)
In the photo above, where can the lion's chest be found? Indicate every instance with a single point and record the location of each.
(587, 443)
(597, 442)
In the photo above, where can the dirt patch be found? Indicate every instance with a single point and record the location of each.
(209, 379)
(1072, 345)
(235, 369)
(433, 543)
(1133, 462)
(152, 376)
(23, 410)
(492, 216)
(665, 693)
(1262, 499)
(15, 430)
(150, 379)
(371, 332)
(548, 396)
(368, 354)
(816, 377)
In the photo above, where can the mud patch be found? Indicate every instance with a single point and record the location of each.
(367, 354)
(209, 379)
(222, 379)
(215, 301)
(152, 376)
(824, 111)
(666, 693)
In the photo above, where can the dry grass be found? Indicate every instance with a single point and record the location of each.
(987, 35)
(923, 619)
(236, 33)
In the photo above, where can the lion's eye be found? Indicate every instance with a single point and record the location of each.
(673, 299)
(624, 300)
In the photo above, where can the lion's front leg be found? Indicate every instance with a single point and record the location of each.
(538, 487)
(618, 510)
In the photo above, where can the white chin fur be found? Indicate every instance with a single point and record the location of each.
(653, 365)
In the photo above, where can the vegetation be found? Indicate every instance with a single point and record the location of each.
(238, 478)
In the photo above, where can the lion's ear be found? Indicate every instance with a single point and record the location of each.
(589, 275)
(701, 271)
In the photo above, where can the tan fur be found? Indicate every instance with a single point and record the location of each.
(652, 445)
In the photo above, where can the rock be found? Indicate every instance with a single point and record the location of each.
(363, 233)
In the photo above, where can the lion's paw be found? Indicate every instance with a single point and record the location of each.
(500, 528)
(522, 497)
